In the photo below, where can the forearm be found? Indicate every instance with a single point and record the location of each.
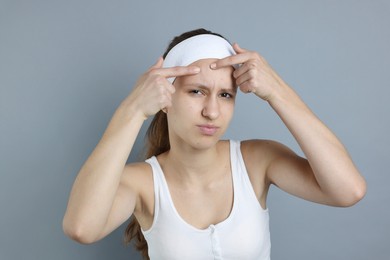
(332, 166)
(95, 187)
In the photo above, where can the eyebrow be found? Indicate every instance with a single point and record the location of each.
(203, 86)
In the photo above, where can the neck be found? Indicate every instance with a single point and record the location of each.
(194, 166)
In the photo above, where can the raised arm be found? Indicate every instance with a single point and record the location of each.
(104, 194)
(328, 175)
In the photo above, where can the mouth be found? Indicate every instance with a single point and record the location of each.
(208, 129)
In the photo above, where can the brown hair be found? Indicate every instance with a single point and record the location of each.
(157, 142)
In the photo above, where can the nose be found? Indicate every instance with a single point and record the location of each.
(211, 108)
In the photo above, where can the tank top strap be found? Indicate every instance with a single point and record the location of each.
(152, 161)
(237, 161)
(161, 186)
(163, 204)
(241, 174)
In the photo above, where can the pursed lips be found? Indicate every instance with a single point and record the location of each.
(208, 129)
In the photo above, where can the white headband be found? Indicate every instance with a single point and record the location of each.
(198, 47)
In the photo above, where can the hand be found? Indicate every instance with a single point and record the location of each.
(153, 91)
(254, 75)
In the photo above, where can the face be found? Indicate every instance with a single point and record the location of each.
(202, 106)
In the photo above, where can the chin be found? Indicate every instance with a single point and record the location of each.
(205, 142)
(196, 140)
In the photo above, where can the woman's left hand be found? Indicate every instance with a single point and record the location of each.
(254, 75)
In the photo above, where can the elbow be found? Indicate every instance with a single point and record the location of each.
(356, 194)
(77, 233)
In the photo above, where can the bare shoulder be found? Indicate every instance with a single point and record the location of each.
(138, 177)
(258, 154)
(265, 150)
(274, 159)
(136, 172)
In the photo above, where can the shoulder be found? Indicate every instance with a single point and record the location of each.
(269, 157)
(266, 149)
(258, 154)
(138, 177)
(137, 173)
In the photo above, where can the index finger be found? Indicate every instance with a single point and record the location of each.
(236, 59)
(178, 71)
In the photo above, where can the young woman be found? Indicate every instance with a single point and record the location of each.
(199, 197)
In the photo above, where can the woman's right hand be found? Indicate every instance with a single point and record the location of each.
(152, 91)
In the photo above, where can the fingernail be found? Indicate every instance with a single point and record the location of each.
(213, 65)
(196, 69)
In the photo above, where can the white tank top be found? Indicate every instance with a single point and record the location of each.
(244, 234)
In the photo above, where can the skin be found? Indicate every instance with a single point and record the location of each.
(107, 192)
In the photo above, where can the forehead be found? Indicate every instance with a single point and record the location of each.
(207, 76)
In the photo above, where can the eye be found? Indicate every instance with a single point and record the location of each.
(196, 92)
(226, 95)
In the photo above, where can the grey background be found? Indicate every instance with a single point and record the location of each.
(66, 65)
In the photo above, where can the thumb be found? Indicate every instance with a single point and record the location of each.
(158, 64)
(238, 49)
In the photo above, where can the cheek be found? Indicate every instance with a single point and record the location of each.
(229, 111)
(177, 101)
(230, 115)
(182, 106)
